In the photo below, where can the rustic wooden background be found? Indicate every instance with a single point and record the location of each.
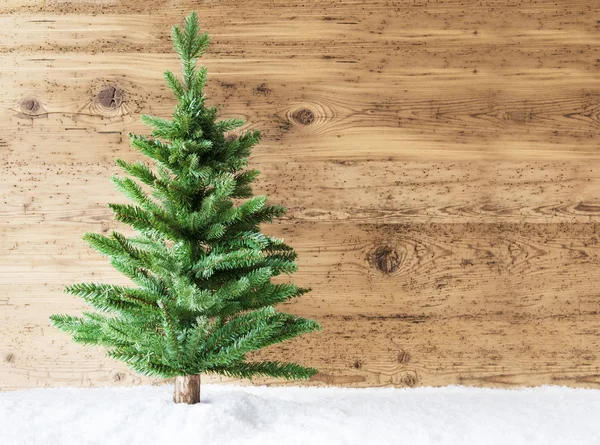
(439, 158)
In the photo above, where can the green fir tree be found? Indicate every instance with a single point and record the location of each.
(203, 297)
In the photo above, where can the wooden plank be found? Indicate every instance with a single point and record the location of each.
(362, 352)
(360, 191)
(529, 14)
(392, 266)
(476, 123)
(150, 34)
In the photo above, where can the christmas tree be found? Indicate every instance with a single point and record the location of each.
(203, 297)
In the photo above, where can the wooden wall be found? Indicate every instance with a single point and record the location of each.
(439, 158)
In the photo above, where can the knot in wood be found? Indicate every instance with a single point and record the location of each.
(110, 98)
(519, 116)
(30, 106)
(409, 379)
(403, 357)
(386, 259)
(303, 116)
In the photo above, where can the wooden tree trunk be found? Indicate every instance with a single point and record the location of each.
(187, 389)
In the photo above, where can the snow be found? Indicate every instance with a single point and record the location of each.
(232, 415)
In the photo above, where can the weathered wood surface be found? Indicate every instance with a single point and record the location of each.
(440, 162)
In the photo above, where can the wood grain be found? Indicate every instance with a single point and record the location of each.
(450, 296)
(440, 163)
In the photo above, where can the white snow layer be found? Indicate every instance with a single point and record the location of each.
(231, 415)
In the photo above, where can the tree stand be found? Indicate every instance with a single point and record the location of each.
(187, 389)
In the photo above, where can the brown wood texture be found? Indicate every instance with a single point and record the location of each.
(187, 389)
(440, 161)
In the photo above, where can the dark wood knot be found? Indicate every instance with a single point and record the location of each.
(385, 259)
(403, 357)
(30, 106)
(409, 379)
(303, 116)
(110, 98)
